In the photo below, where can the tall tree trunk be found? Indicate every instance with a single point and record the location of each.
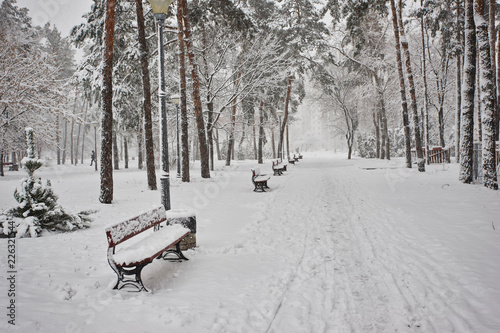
(125, 149)
(273, 143)
(65, 140)
(285, 117)
(404, 104)
(413, 97)
(146, 90)
(84, 112)
(210, 103)
(183, 98)
(376, 122)
(479, 106)
(200, 122)
(72, 138)
(106, 192)
(140, 141)
(254, 137)
(487, 89)
(261, 133)
(58, 138)
(468, 89)
(492, 39)
(426, 95)
(116, 158)
(287, 143)
(459, 86)
(497, 111)
(230, 146)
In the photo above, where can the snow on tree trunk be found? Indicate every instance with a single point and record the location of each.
(487, 101)
(146, 84)
(106, 193)
(404, 104)
(468, 88)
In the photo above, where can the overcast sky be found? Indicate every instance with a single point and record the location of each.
(64, 14)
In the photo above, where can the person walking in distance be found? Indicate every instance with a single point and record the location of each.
(92, 158)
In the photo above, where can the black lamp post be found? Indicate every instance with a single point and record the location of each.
(160, 9)
(176, 100)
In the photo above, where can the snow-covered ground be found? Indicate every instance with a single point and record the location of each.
(334, 246)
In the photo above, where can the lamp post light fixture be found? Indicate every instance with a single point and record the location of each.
(176, 100)
(280, 152)
(160, 9)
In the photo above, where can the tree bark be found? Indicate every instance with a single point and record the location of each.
(426, 94)
(285, 117)
(183, 98)
(106, 192)
(487, 89)
(116, 158)
(376, 118)
(125, 150)
(413, 98)
(404, 104)
(468, 89)
(261, 133)
(146, 86)
(200, 122)
(140, 141)
(459, 87)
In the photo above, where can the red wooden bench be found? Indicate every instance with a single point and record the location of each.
(134, 254)
(278, 168)
(259, 180)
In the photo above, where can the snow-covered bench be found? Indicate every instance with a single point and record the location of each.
(131, 257)
(278, 168)
(259, 180)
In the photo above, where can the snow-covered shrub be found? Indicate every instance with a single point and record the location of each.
(37, 207)
(367, 147)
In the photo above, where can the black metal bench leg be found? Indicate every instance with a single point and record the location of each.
(136, 282)
(177, 251)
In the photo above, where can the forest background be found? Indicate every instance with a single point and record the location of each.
(376, 78)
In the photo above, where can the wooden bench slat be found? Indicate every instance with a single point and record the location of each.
(122, 231)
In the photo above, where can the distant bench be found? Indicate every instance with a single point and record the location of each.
(129, 260)
(278, 168)
(259, 180)
(12, 166)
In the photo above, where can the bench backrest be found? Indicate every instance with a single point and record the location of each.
(256, 172)
(122, 231)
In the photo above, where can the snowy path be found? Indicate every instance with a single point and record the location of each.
(331, 247)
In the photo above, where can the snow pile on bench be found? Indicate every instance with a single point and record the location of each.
(153, 244)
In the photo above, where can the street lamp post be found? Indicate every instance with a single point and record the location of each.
(280, 152)
(160, 9)
(176, 100)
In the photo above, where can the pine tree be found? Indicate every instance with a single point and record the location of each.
(38, 208)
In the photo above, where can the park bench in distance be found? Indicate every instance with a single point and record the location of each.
(278, 168)
(129, 260)
(259, 180)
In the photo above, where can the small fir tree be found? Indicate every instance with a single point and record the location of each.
(38, 208)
